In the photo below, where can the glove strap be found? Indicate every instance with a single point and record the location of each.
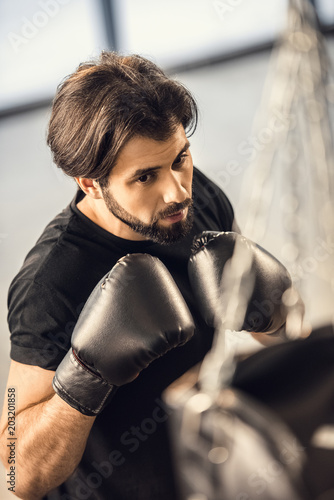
(80, 387)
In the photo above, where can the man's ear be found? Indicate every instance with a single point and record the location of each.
(89, 187)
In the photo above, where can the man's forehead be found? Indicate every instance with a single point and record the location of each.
(142, 152)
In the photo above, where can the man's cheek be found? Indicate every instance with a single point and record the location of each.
(190, 183)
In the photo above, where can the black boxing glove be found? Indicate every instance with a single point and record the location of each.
(210, 253)
(135, 314)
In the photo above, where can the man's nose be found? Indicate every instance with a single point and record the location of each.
(173, 189)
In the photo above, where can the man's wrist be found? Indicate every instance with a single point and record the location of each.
(79, 387)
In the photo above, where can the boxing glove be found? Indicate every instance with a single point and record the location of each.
(268, 280)
(135, 314)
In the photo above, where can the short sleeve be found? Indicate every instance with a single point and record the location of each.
(40, 324)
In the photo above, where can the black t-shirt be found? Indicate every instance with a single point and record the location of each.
(127, 452)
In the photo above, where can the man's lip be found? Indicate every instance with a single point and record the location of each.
(176, 217)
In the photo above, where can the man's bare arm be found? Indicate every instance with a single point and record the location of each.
(51, 436)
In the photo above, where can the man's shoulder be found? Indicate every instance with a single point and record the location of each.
(44, 251)
(200, 178)
(205, 187)
(210, 202)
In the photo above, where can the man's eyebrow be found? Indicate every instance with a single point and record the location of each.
(143, 171)
(184, 149)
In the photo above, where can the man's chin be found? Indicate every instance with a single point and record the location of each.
(173, 233)
(168, 238)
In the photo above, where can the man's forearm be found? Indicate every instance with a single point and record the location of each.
(51, 438)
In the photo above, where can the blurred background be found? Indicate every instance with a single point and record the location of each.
(221, 50)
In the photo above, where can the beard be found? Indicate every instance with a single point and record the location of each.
(154, 231)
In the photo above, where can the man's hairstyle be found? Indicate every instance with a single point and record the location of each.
(105, 103)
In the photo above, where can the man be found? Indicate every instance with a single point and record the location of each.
(120, 128)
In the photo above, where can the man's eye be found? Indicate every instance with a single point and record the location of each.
(180, 159)
(144, 178)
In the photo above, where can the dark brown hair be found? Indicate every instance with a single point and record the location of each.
(105, 103)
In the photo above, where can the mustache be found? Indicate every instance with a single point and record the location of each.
(173, 208)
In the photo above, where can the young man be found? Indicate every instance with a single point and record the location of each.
(120, 128)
